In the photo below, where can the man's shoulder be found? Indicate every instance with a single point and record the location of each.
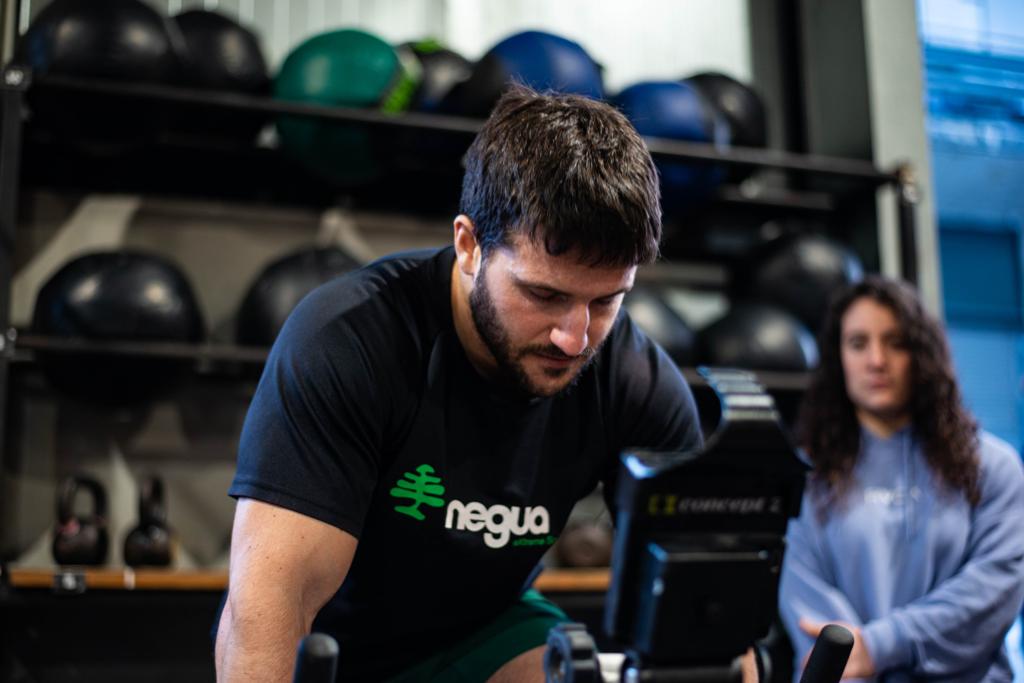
(388, 311)
(625, 336)
(630, 354)
(429, 263)
(390, 289)
(408, 274)
(649, 401)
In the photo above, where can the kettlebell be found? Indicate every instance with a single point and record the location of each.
(149, 543)
(80, 539)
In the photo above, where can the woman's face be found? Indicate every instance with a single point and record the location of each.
(876, 362)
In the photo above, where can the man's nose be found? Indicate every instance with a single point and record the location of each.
(570, 333)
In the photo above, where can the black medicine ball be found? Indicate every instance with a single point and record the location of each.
(122, 296)
(800, 273)
(740, 104)
(124, 40)
(758, 337)
(441, 69)
(117, 40)
(221, 55)
(647, 307)
(280, 287)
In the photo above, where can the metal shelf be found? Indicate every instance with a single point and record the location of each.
(850, 169)
(777, 198)
(27, 346)
(209, 353)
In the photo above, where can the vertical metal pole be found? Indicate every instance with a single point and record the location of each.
(8, 29)
(777, 45)
(13, 84)
(907, 197)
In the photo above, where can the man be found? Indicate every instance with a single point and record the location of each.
(425, 425)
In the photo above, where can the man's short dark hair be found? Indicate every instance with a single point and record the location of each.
(568, 172)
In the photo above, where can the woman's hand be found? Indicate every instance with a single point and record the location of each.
(859, 665)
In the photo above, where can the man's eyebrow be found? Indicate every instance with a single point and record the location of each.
(551, 290)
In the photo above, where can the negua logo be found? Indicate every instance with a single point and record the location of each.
(501, 521)
(422, 488)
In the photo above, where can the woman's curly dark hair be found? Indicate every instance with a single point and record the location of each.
(827, 427)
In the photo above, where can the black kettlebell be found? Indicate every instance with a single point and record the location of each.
(149, 543)
(80, 539)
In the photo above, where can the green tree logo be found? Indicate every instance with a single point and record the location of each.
(422, 488)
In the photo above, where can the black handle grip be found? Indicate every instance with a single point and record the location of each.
(317, 661)
(829, 655)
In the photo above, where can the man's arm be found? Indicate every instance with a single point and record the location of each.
(284, 567)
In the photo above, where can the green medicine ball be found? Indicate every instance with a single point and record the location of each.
(346, 68)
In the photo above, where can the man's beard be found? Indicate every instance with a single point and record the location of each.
(510, 370)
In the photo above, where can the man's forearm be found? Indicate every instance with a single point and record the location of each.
(259, 644)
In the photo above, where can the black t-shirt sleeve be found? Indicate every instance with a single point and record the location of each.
(652, 401)
(312, 437)
(652, 404)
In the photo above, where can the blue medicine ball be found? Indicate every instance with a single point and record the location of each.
(543, 61)
(674, 110)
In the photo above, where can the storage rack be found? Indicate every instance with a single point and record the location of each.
(107, 585)
(17, 84)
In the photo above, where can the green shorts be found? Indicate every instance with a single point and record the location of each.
(521, 627)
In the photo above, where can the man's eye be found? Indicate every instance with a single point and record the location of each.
(606, 302)
(543, 295)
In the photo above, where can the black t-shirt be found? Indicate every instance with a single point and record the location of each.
(370, 417)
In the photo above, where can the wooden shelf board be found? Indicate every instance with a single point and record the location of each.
(551, 580)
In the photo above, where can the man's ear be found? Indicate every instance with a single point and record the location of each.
(467, 250)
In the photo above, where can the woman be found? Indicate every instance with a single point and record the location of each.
(912, 528)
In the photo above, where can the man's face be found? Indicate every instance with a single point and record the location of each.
(876, 362)
(543, 317)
